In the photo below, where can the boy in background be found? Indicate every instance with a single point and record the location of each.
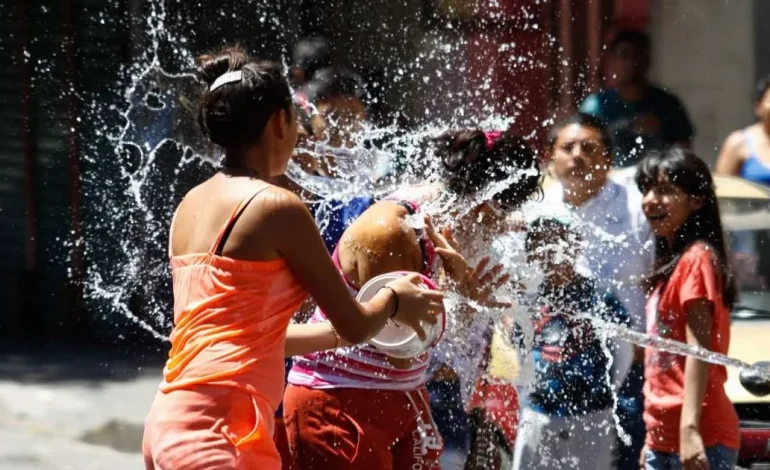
(567, 408)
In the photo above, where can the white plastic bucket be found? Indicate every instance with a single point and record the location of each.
(400, 341)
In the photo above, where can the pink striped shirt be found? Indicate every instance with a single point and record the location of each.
(362, 366)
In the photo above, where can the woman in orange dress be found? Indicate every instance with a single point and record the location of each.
(244, 256)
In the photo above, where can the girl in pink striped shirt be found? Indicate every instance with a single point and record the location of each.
(355, 407)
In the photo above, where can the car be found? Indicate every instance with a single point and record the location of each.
(747, 223)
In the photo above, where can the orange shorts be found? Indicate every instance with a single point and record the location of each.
(360, 429)
(209, 428)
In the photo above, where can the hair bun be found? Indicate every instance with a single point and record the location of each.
(458, 150)
(236, 115)
(212, 66)
(471, 163)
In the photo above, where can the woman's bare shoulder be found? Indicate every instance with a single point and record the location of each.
(735, 143)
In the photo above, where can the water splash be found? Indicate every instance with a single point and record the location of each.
(682, 349)
(159, 120)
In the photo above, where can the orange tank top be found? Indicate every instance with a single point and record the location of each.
(230, 320)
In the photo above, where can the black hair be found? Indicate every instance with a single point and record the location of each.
(470, 164)
(549, 225)
(687, 171)
(763, 85)
(311, 55)
(235, 114)
(585, 120)
(631, 36)
(331, 82)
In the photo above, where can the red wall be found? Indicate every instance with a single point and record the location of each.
(513, 43)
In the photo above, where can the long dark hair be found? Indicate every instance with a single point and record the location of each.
(691, 174)
(473, 159)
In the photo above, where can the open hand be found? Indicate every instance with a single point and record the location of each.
(478, 283)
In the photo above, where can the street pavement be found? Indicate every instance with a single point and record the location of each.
(74, 408)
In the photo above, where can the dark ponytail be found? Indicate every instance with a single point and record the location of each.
(235, 114)
(473, 159)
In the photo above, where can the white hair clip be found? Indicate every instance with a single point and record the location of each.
(229, 77)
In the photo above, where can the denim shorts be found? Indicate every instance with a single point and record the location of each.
(719, 457)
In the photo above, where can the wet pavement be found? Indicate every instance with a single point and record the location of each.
(73, 408)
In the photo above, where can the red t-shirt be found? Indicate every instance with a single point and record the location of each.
(694, 277)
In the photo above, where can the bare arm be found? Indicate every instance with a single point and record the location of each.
(730, 159)
(285, 182)
(696, 371)
(691, 449)
(308, 338)
(379, 242)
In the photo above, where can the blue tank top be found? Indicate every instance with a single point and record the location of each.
(753, 168)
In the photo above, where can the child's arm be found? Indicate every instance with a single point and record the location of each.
(304, 338)
(691, 448)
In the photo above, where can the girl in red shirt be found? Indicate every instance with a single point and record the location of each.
(690, 421)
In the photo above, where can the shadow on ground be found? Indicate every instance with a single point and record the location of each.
(39, 363)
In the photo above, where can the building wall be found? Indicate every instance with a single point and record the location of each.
(703, 50)
(761, 38)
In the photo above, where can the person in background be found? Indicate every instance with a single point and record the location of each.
(566, 419)
(619, 242)
(339, 97)
(341, 102)
(334, 112)
(640, 116)
(691, 423)
(746, 152)
(309, 56)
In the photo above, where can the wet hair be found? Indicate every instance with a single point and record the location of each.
(331, 82)
(549, 225)
(470, 164)
(311, 55)
(235, 114)
(691, 174)
(631, 36)
(763, 85)
(584, 120)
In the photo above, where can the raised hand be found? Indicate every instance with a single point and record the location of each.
(478, 283)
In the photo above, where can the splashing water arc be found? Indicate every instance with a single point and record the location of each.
(159, 152)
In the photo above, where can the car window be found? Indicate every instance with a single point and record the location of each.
(747, 226)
